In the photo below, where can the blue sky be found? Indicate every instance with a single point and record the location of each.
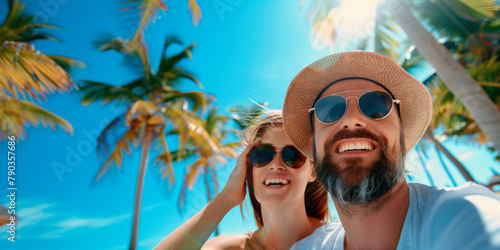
(250, 49)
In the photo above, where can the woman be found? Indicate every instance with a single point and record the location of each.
(288, 203)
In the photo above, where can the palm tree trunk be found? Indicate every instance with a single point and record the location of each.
(209, 196)
(216, 184)
(428, 135)
(445, 167)
(146, 145)
(424, 166)
(216, 181)
(456, 78)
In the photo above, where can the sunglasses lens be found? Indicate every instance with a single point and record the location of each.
(261, 155)
(293, 157)
(375, 104)
(330, 109)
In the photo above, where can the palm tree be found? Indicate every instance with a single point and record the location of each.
(27, 74)
(473, 42)
(452, 115)
(207, 155)
(457, 79)
(478, 56)
(153, 101)
(154, 104)
(448, 111)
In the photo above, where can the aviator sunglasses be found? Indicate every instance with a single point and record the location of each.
(263, 154)
(372, 104)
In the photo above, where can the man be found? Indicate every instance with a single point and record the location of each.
(357, 114)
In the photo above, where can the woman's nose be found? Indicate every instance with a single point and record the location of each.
(277, 163)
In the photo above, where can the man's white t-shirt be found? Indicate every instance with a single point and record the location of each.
(465, 217)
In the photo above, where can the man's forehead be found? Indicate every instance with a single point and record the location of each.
(351, 85)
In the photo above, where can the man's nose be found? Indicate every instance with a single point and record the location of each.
(353, 118)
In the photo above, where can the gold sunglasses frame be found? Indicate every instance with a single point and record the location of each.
(357, 104)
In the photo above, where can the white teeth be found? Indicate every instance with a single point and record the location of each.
(355, 146)
(276, 182)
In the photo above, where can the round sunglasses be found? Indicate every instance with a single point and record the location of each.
(263, 154)
(372, 104)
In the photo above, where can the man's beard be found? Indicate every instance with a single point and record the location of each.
(355, 184)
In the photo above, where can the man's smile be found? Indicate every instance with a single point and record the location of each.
(356, 145)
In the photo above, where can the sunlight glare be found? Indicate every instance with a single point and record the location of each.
(345, 25)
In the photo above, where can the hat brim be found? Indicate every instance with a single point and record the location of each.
(415, 106)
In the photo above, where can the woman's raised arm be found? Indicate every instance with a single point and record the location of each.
(195, 231)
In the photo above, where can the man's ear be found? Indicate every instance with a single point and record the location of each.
(312, 177)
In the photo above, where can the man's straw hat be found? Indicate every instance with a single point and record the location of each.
(415, 107)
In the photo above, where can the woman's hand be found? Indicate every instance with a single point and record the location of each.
(235, 190)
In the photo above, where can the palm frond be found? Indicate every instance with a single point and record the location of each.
(146, 9)
(189, 76)
(167, 63)
(165, 160)
(67, 63)
(95, 91)
(189, 151)
(228, 150)
(411, 58)
(123, 145)
(190, 128)
(386, 34)
(194, 171)
(195, 11)
(16, 114)
(490, 84)
(169, 41)
(25, 70)
(141, 111)
(215, 122)
(110, 135)
(197, 99)
(106, 42)
(474, 9)
(20, 27)
(450, 112)
(192, 174)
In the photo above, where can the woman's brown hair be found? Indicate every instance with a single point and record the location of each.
(316, 196)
